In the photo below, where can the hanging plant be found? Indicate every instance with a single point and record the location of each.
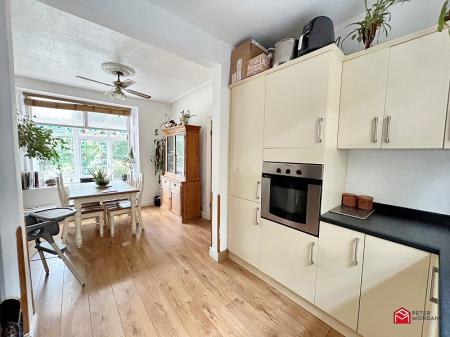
(376, 22)
(39, 142)
(444, 16)
(159, 154)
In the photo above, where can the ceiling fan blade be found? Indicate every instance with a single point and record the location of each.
(137, 93)
(88, 79)
(127, 83)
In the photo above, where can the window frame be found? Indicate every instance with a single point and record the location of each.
(77, 138)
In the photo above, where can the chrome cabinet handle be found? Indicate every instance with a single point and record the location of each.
(388, 129)
(258, 186)
(355, 256)
(375, 130)
(257, 216)
(311, 254)
(432, 285)
(319, 131)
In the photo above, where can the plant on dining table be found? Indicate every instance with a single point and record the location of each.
(100, 177)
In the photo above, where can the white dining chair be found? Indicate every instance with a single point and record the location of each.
(119, 207)
(88, 211)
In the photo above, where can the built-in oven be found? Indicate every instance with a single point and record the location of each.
(291, 195)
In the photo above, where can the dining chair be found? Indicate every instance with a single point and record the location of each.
(119, 207)
(88, 211)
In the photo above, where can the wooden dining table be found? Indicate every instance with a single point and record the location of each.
(82, 193)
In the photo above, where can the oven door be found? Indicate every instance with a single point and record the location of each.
(292, 201)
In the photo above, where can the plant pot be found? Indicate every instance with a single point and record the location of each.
(11, 318)
(157, 201)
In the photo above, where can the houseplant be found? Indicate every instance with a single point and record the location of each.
(38, 142)
(159, 160)
(374, 23)
(185, 117)
(444, 16)
(100, 177)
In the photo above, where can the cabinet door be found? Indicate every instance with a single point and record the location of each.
(246, 137)
(166, 198)
(430, 325)
(339, 272)
(363, 94)
(170, 157)
(176, 201)
(179, 154)
(243, 229)
(296, 101)
(394, 277)
(289, 257)
(417, 92)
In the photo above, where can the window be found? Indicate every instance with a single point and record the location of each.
(93, 140)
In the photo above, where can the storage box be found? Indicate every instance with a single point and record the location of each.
(258, 64)
(240, 56)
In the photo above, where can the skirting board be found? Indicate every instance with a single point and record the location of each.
(33, 326)
(336, 325)
(218, 257)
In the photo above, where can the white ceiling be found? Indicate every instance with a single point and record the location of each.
(265, 20)
(55, 46)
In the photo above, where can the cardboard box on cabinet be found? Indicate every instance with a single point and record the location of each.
(240, 57)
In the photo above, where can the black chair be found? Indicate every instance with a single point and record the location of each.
(44, 224)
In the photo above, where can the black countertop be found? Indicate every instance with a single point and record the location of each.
(422, 230)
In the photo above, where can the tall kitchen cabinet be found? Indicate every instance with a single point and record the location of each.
(181, 180)
(396, 97)
(245, 169)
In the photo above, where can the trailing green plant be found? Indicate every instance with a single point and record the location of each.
(375, 23)
(159, 153)
(39, 142)
(444, 16)
(100, 176)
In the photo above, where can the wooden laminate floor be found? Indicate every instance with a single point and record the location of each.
(160, 283)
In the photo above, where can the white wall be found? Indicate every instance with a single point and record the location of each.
(413, 179)
(199, 103)
(407, 18)
(151, 115)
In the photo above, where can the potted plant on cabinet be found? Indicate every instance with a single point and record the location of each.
(374, 23)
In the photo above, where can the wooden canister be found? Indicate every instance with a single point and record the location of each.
(365, 202)
(349, 199)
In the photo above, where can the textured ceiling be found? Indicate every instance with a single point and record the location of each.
(266, 20)
(55, 46)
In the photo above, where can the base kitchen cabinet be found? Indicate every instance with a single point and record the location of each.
(339, 271)
(289, 257)
(244, 229)
(430, 323)
(394, 277)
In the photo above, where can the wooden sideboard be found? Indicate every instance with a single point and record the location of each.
(181, 180)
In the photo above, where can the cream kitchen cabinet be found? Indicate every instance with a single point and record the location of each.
(394, 276)
(296, 103)
(339, 270)
(363, 93)
(246, 139)
(244, 229)
(431, 324)
(417, 92)
(289, 257)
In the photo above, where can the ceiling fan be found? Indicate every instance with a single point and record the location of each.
(118, 86)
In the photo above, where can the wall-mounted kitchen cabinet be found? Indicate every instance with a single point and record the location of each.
(246, 139)
(363, 94)
(289, 257)
(394, 276)
(396, 97)
(244, 229)
(339, 273)
(297, 99)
